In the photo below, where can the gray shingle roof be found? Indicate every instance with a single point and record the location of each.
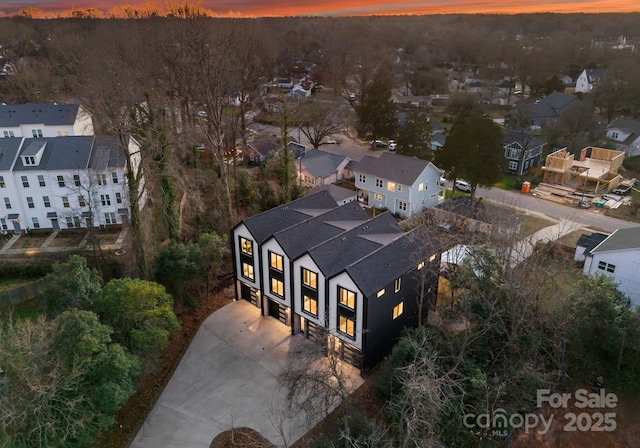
(590, 241)
(265, 224)
(393, 260)
(338, 193)
(334, 255)
(107, 153)
(626, 125)
(61, 153)
(621, 239)
(394, 167)
(13, 115)
(297, 239)
(321, 163)
(548, 107)
(8, 150)
(520, 136)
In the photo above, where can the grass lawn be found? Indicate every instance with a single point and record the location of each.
(507, 182)
(108, 236)
(531, 224)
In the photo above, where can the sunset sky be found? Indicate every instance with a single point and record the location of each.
(257, 8)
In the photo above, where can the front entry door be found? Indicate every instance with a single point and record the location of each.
(54, 225)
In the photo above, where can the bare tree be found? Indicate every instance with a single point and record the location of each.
(318, 120)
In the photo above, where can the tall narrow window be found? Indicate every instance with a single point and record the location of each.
(3, 224)
(81, 201)
(2, 184)
(47, 202)
(114, 177)
(398, 310)
(7, 203)
(41, 180)
(25, 181)
(309, 278)
(347, 298)
(61, 181)
(246, 246)
(347, 326)
(277, 287)
(275, 260)
(119, 198)
(310, 305)
(65, 202)
(76, 180)
(30, 203)
(36, 224)
(398, 281)
(247, 271)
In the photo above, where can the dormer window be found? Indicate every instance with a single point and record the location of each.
(37, 133)
(29, 160)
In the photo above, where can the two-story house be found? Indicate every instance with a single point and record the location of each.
(346, 281)
(401, 184)
(522, 150)
(589, 78)
(618, 256)
(44, 120)
(66, 182)
(624, 135)
(534, 113)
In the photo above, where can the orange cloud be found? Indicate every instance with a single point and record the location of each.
(259, 8)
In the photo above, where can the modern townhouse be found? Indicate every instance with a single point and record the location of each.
(348, 282)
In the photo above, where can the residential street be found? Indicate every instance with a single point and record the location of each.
(593, 217)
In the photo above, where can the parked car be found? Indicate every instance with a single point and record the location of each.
(392, 145)
(378, 143)
(330, 141)
(463, 185)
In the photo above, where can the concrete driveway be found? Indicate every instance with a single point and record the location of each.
(228, 378)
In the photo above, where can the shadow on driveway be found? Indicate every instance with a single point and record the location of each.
(229, 378)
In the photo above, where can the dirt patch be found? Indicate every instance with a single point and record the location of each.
(30, 241)
(151, 384)
(241, 437)
(68, 238)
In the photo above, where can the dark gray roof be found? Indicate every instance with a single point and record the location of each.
(595, 74)
(334, 255)
(590, 241)
(8, 150)
(321, 163)
(548, 107)
(264, 145)
(436, 128)
(107, 153)
(13, 115)
(33, 148)
(394, 167)
(520, 136)
(393, 260)
(297, 239)
(628, 126)
(338, 193)
(263, 225)
(621, 239)
(61, 153)
(297, 149)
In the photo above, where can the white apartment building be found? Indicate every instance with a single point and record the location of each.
(66, 182)
(43, 120)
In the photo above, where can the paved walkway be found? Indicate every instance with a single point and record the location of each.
(228, 378)
(524, 247)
